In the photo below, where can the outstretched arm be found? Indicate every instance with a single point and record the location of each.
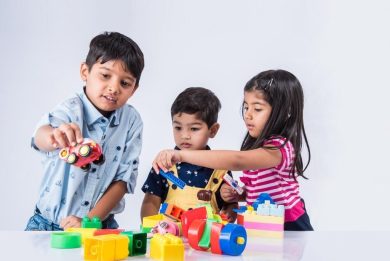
(48, 138)
(108, 201)
(219, 159)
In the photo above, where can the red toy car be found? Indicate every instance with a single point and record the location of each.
(83, 154)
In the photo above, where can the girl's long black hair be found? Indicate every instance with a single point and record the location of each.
(284, 93)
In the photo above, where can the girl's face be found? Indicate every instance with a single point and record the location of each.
(256, 112)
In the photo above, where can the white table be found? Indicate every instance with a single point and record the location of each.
(313, 246)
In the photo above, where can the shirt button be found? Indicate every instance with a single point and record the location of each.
(215, 180)
(118, 148)
(174, 186)
(103, 120)
(86, 203)
(93, 170)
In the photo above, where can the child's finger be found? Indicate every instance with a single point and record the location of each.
(69, 133)
(77, 132)
(60, 138)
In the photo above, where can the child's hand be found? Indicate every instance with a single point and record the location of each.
(70, 221)
(228, 194)
(165, 159)
(65, 135)
(228, 211)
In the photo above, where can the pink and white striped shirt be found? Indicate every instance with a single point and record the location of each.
(277, 182)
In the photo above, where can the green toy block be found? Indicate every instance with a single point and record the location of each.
(94, 223)
(65, 240)
(137, 242)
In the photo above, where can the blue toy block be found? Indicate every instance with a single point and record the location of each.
(233, 239)
(241, 209)
(175, 180)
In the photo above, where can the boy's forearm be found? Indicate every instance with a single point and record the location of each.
(109, 200)
(42, 138)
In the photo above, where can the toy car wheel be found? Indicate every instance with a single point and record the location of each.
(72, 158)
(85, 150)
(100, 160)
(86, 167)
(64, 153)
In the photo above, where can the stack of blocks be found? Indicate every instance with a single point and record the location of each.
(266, 221)
(166, 247)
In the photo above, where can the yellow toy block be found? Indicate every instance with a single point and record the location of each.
(166, 248)
(85, 232)
(106, 248)
(151, 221)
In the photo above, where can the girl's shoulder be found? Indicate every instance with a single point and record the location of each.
(285, 147)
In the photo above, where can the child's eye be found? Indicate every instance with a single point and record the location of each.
(258, 110)
(177, 128)
(125, 84)
(105, 76)
(194, 129)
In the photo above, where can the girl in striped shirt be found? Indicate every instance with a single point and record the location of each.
(270, 155)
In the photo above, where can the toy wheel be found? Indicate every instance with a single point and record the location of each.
(86, 167)
(100, 160)
(85, 150)
(64, 153)
(72, 158)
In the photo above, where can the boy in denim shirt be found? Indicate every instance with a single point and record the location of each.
(111, 74)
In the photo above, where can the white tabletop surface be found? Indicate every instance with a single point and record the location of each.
(313, 246)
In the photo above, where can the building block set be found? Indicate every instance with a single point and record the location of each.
(263, 219)
(202, 229)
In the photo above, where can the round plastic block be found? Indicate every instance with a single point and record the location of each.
(195, 232)
(65, 240)
(233, 239)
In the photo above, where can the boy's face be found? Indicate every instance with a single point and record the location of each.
(191, 133)
(108, 85)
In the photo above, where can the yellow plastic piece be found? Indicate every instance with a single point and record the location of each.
(240, 240)
(151, 221)
(166, 248)
(85, 232)
(106, 248)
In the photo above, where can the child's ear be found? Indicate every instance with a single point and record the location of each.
(214, 129)
(84, 71)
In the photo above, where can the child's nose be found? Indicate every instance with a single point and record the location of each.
(186, 135)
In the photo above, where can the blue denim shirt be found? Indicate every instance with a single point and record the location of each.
(66, 189)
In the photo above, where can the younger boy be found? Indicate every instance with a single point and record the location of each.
(111, 73)
(194, 119)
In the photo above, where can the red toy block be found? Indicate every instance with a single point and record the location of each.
(216, 229)
(195, 233)
(190, 215)
(100, 232)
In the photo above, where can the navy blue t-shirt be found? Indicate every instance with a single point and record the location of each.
(192, 175)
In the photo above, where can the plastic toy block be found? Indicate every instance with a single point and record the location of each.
(233, 239)
(106, 248)
(100, 232)
(166, 226)
(216, 229)
(171, 177)
(65, 240)
(241, 209)
(233, 183)
(166, 247)
(137, 242)
(85, 232)
(171, 211)
(151, 221)
(83, 154)
(95, 222)
(205, 240)
(267, 221)
(195, 233)
(261, 199)
(190, 215)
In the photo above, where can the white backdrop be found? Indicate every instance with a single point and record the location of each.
(338, 49)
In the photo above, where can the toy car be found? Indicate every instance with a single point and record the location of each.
(83, 154)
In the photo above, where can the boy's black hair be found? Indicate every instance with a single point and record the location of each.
(200, 101)
(115, 46)
(283, 91)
